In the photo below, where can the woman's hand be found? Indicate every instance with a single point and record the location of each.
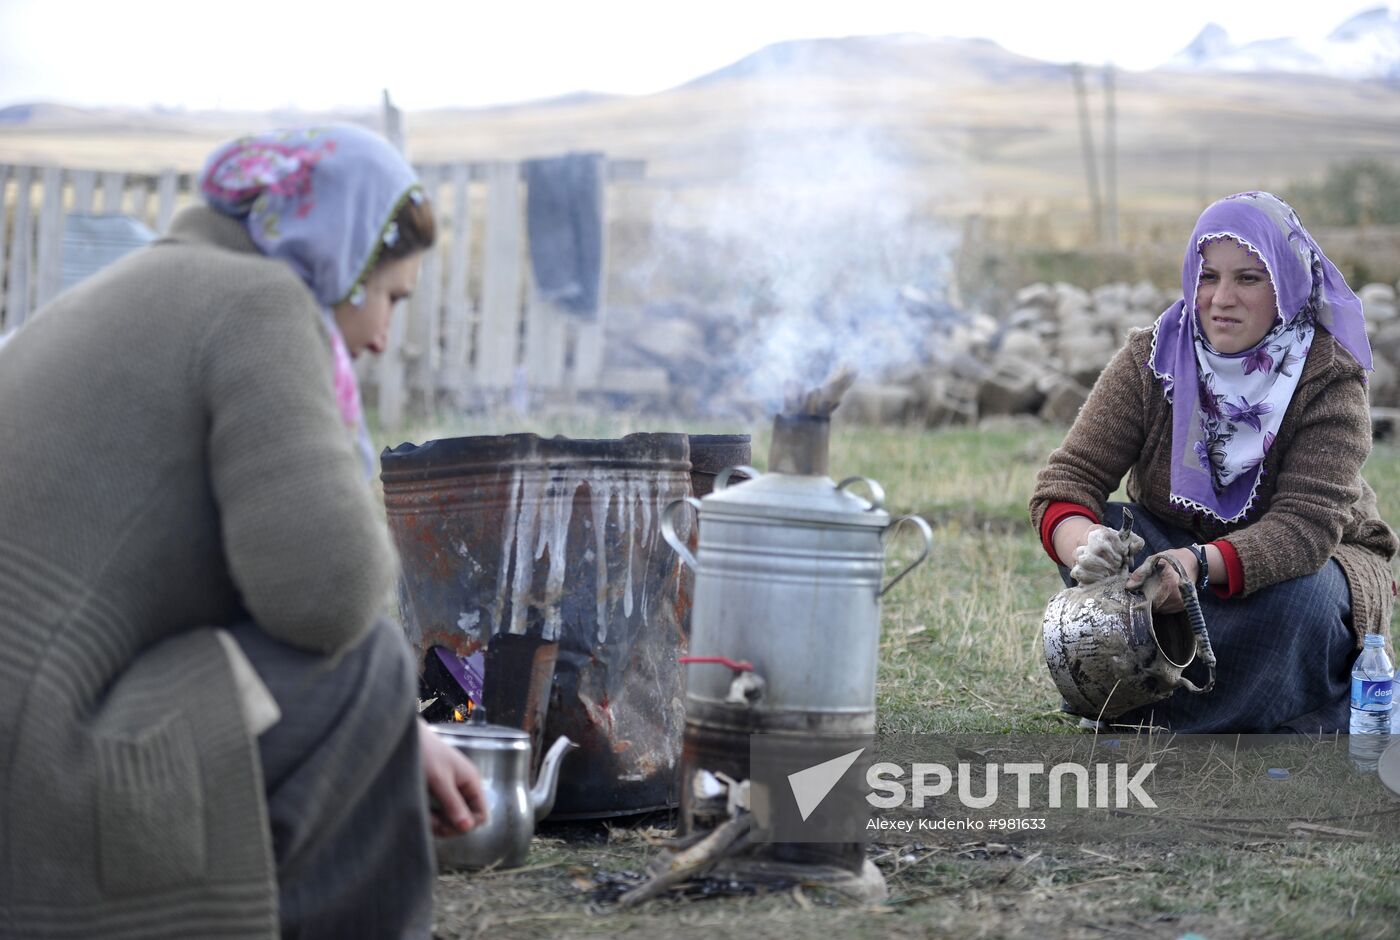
(456, 797)
(1167, 599)
(1093, 552)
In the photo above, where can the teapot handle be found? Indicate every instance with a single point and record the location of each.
(668, 530)
(722, 478)
(1192, 603)
(877, 497)
(927, 533)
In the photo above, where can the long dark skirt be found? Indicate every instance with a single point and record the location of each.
(346, 798)
(1283, 654)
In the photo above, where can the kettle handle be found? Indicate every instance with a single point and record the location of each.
(1192, 603)
(877, 498)
(927, 532)
(668, 530)
(1203, 647)
(722, 478)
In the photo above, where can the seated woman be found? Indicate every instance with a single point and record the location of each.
(1241, 421)
(206, 728)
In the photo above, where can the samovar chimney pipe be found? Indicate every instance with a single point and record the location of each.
(800, 444)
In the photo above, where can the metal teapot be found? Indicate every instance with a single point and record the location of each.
(1109, 653)
(502, 756)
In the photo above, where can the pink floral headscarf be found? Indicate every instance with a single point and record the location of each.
(323, 200)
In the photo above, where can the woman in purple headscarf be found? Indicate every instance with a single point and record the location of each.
(206, 727)
(1241, 422)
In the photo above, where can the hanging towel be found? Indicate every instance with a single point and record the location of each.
(564, 215)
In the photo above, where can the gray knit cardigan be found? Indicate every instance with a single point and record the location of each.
(171, 459)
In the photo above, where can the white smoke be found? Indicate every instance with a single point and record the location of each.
(811, 242)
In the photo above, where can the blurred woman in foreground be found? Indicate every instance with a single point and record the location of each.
(205, 726)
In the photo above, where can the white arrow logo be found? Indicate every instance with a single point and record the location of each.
(810, 786)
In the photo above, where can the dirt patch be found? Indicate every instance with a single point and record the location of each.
(570, 886)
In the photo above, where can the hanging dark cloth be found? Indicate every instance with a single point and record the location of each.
(564, 216)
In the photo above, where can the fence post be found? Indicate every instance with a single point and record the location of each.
(140, 197)
(546, 334)
(588, 347)
(6, 171)
(113, 184)
(17, 296)
(166, 189)
(500, 296)
(457, 326)
(50, 239)
(422, 337)
(84, 185)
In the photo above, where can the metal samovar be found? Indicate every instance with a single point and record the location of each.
(785, 627)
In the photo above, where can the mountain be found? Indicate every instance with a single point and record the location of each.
(1367, 46)
(961, 124)
(893, 57)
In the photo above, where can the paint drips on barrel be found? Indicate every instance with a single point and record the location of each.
(539, 519)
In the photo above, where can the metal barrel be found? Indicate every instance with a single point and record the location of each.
(556, 540)
(711, 453)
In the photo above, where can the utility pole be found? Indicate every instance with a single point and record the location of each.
(1086, 139)
(1110, 158)
(393, 123)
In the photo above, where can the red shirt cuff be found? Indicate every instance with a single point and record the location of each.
(1054, 515)
(1233, 582)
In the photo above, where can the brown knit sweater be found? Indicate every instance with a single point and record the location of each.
(1312, 502)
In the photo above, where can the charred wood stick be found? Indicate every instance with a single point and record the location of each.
(821, 400)
(1311, 829)
(681, 843)
(694, 860)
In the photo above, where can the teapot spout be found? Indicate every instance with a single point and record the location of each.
(542, 794)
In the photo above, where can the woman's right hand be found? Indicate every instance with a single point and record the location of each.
(457, 799)
(1100, 552)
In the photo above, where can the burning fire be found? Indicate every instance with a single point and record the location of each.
(461, 713)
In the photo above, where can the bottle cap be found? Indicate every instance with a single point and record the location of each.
(1278, 773)
(1374, 639)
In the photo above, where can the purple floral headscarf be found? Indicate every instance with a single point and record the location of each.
(323, 200)
(1222, 433)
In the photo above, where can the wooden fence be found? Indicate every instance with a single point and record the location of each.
(473, 331)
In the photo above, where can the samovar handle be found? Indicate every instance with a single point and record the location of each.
(877, 493)
(722, 478)
(924, 528)
(668, 530)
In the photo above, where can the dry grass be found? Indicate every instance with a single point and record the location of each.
(959, 653)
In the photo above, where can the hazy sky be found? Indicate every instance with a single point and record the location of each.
(313, 54)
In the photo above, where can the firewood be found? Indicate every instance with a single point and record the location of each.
(730, 836)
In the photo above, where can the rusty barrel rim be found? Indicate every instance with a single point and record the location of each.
(651, 451)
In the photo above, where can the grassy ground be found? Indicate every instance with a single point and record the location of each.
(960, 652)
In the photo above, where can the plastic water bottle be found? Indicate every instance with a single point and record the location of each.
(1372, 688)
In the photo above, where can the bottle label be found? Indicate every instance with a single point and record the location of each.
(1372, 695)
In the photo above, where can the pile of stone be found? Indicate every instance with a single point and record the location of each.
(1038, 359)
(1383, 328)
(1043, 356)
